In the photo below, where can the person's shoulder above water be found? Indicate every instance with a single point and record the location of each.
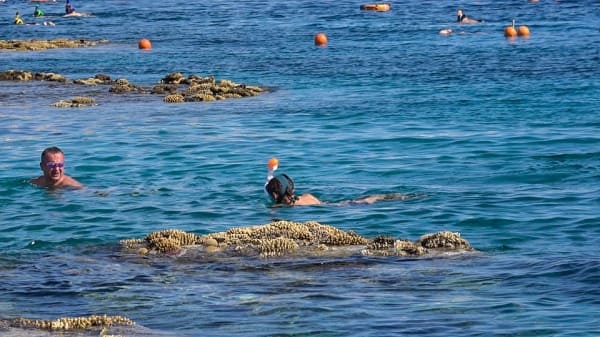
(66, 182)
(307, 200)
(52, 164)
(461, 17)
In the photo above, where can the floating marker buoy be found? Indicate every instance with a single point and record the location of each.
(376, 7)
(145, 44)
(523, 31)
(320, 40)
(510, 31)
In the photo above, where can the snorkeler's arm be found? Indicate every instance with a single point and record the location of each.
(379, 197)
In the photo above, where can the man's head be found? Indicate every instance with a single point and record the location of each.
(281, 189)
(53, 164)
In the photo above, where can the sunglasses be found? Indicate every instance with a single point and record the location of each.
(52, 165)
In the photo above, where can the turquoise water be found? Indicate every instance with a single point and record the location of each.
(498, 137)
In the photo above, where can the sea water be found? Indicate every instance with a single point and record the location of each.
(498, 138)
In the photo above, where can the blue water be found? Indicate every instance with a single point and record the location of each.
(499, 138)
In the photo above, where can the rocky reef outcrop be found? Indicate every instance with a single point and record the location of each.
(22, 75)
(194, 88)
(175, 87)
(285, 238)
(75, 102)
(34, 44)
(93, 322)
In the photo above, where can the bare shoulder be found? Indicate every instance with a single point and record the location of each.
(70, 182)
(39, 181)
(307, 200)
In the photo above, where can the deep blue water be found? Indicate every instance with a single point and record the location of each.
(499, 138)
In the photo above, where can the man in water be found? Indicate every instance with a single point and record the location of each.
(461, 17)
(53, 166)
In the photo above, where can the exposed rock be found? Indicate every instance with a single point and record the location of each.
(75, 102)
(22, 75)
(174, 98)
(99, 79)
(284, 238)
(122, 85)
(29, 45)
(194, 88)
(68, 323)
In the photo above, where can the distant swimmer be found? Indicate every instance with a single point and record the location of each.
(38, 12)
(18, 20)
(68, 8)
(53, 166)
(461, 17)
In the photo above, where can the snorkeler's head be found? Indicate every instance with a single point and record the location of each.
(281, 189)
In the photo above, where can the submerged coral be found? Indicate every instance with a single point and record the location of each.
(285, 238)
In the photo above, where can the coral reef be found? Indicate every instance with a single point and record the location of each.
(285, 238)
(68, 323)
(122, 85)
(75, 102)
(175, 86)
(201, 89)
(31, 45)
(22, 75)
(96, 80)
(449, 240)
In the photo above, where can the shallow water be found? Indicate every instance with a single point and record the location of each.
(498, 138)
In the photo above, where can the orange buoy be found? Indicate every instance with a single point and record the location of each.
(523, 31)
(320, 40)
(145, 44)
(384, 7)
(510, 31)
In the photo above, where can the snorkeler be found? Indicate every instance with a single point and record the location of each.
(68, 8)
(18, 20)
(280, 188)
(281, 191)
(461, 17)
(38, 12)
